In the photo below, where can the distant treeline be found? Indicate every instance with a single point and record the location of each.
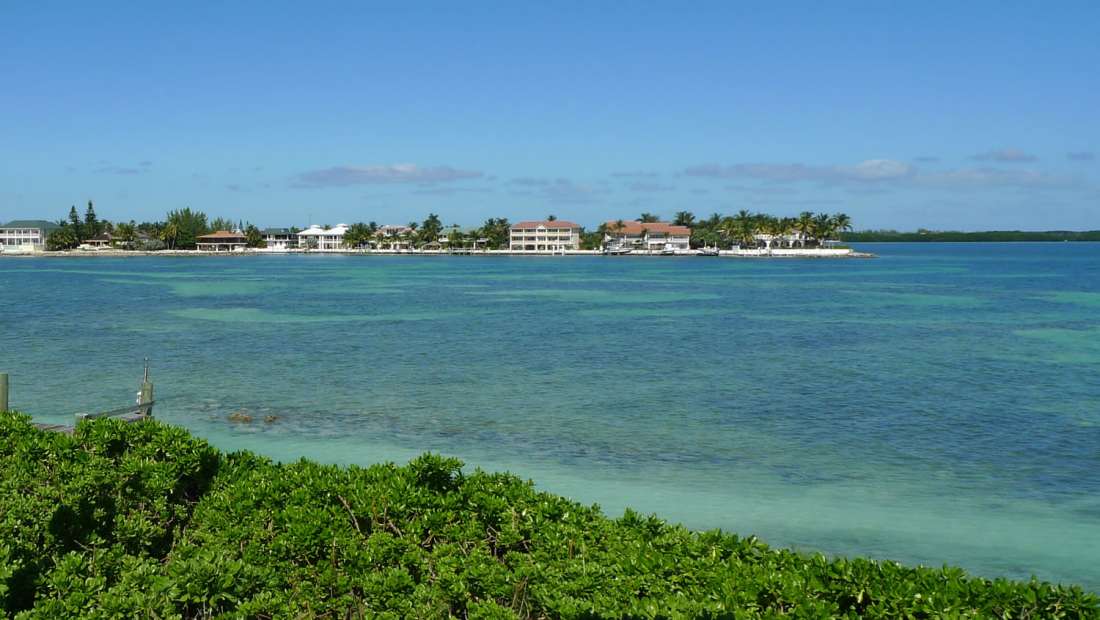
(868, 236)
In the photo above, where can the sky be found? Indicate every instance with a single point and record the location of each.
(942, 115)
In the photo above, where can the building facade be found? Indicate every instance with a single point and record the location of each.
(648, 236)
(279, 238)
(318, 238)
(25, 235)
(544, 236)
(222, 241)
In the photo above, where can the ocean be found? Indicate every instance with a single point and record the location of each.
(937, 404)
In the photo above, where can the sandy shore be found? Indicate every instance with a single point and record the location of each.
(785, 253)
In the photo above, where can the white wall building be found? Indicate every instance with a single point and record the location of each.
(649, 236)
(318, 238)
(544, 236)
(279, 238)
(25, 235)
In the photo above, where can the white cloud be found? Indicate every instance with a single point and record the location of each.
(339, 176)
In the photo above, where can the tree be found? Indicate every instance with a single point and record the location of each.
(222, 223)
(169, 234)
(74, 221)
(126, 233)
(551, 218)
(357, 235)
(189, 226)
(497, 231)
(648, 218)
(62, 239)
(92, 225)
(429, 231)
(842, 222)
(253, 237)
(684, 218)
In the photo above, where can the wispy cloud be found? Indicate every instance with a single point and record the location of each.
(762, 190)
(1005, 156)
(992, 177)
(1081, 156)
(451, 191)
(926, 159)
(647, 187)
(341, 176)
(123, 170)
(871, 170)
(559, 190)
(877, 173)
(636, 174)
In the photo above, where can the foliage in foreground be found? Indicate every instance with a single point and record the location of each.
(147, 521)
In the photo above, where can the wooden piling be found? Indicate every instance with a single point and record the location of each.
(3, 391)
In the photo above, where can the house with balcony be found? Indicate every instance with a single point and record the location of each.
(647, 236)
(280, 238)
(25, 235)
(544, 236)
(323, 238)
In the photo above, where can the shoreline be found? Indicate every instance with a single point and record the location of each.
(817, 253)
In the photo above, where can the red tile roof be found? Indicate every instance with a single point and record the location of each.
(635, 228)
(546, 224)
(222, 234)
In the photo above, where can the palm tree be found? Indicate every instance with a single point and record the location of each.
(551, 218)
(684, 218)
(169, 234)
(648, 218)
(842, 223)
(823, 228)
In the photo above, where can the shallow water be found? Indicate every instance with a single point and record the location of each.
(938, 404)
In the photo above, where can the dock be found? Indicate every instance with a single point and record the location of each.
(141, 411)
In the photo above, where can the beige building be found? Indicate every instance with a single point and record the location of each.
(544, 236)
(648, 236)
(221, 241)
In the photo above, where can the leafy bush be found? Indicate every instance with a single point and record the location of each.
(146, 521)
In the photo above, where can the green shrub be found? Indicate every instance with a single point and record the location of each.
(147, 521)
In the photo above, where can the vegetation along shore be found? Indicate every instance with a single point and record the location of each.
(144, 520)
(186, 230)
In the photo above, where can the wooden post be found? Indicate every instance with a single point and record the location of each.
(146, 394)
(3, 391)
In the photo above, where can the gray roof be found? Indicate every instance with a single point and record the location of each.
(45, 225)
(275, 231)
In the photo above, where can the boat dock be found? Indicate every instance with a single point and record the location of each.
(141, 411)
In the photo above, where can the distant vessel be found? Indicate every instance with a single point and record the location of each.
(705, 251)
(616, 250)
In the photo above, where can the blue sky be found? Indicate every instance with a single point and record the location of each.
(974, 115)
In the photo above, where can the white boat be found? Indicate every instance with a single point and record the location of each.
(705, 251)
(616, 250)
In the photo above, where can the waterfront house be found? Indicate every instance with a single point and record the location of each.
(222, 241)
(395, 237)
(101, 241)
(320, 238)
(789, 240)
(280, 238)
(648, 236)
(25, 235)
(544, 236)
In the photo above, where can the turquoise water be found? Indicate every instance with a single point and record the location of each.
(938, 404)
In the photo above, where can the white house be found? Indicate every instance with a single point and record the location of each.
(649, 236)
(544, 236)
(25, 235)
(279, 238)
(318, 238)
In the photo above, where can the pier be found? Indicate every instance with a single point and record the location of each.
(141, 411)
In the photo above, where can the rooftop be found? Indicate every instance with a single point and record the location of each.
(545, 224)
(222, 235)
(635, 228)
(45, 225)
